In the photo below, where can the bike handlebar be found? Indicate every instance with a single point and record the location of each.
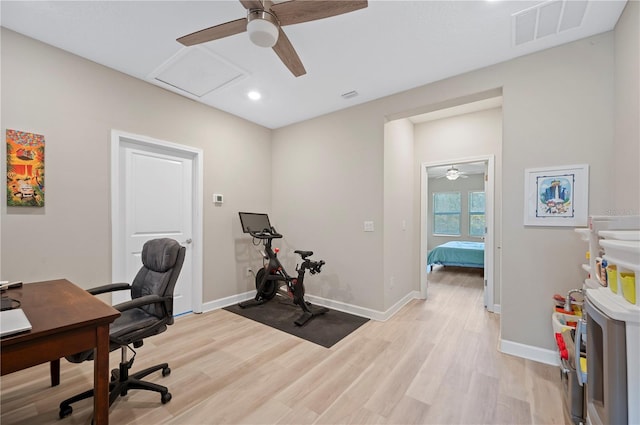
(266, 234)
(315, 268)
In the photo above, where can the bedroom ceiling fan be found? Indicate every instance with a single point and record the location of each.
(265, 20)
(453, 174)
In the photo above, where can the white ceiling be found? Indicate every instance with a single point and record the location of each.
(390, 46)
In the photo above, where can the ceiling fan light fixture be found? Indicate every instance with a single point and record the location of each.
(262, 28)
(452, 173)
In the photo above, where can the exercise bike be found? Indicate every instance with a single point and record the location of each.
(273, 279)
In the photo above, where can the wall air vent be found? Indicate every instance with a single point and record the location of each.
(547, 18)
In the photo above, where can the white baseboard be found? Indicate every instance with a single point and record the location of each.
(335, 305)
(227, 301)
(530, 352)
(496, 308)
(380, 316)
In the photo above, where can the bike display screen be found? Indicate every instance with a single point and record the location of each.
(254, 222)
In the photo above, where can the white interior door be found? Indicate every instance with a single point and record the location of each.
(487, 255)
(489, 237)
(155, 200)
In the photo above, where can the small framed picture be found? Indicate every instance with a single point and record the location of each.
(556, 196)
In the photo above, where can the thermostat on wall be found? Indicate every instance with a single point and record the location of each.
(218, 198)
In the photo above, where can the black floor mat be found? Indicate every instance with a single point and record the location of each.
(325, 329)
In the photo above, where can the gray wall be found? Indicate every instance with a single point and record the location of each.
(327, 178)
(399, 215)
(626, 151)
(75, 103)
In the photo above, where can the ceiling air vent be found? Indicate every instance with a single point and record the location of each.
(547, 18)
(197, 71)
(349, 94)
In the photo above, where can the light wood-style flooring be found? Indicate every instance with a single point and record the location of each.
(434, 362)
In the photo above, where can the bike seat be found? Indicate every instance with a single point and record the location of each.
(304, 254)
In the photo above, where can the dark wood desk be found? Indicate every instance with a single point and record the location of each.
(66, 320)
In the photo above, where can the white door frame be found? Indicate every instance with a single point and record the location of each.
(489, 241)
(118, 274)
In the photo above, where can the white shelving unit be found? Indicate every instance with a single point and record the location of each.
(591, 281)
(626, 226)
(617, 240)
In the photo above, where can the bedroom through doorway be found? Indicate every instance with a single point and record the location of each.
(454, 147)
(457, 221)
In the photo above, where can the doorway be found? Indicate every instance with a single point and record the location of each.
(488, 163)
(156, 191)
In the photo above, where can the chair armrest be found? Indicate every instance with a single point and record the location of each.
(139, 302)
(112, 287)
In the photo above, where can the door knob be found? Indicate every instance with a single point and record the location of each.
(188, 241)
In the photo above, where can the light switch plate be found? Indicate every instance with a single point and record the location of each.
(218, 198)
(368, 226)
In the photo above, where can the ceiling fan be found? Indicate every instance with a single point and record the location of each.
(453, 174)
(265, 20)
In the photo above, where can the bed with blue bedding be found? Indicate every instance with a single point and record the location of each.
(457, 253)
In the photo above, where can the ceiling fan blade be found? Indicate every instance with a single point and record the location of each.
(288, 55)
(295, 12)
(254, 4)
(214, 33)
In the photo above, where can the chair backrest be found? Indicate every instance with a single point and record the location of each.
(161, 265)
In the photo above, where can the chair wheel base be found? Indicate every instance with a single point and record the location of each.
(165, 398)
(166, 371)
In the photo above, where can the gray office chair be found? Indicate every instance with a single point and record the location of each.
(148, 313)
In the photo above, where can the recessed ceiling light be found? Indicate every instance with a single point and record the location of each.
(254, 95)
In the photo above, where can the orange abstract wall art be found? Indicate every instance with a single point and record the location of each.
(25, 169)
